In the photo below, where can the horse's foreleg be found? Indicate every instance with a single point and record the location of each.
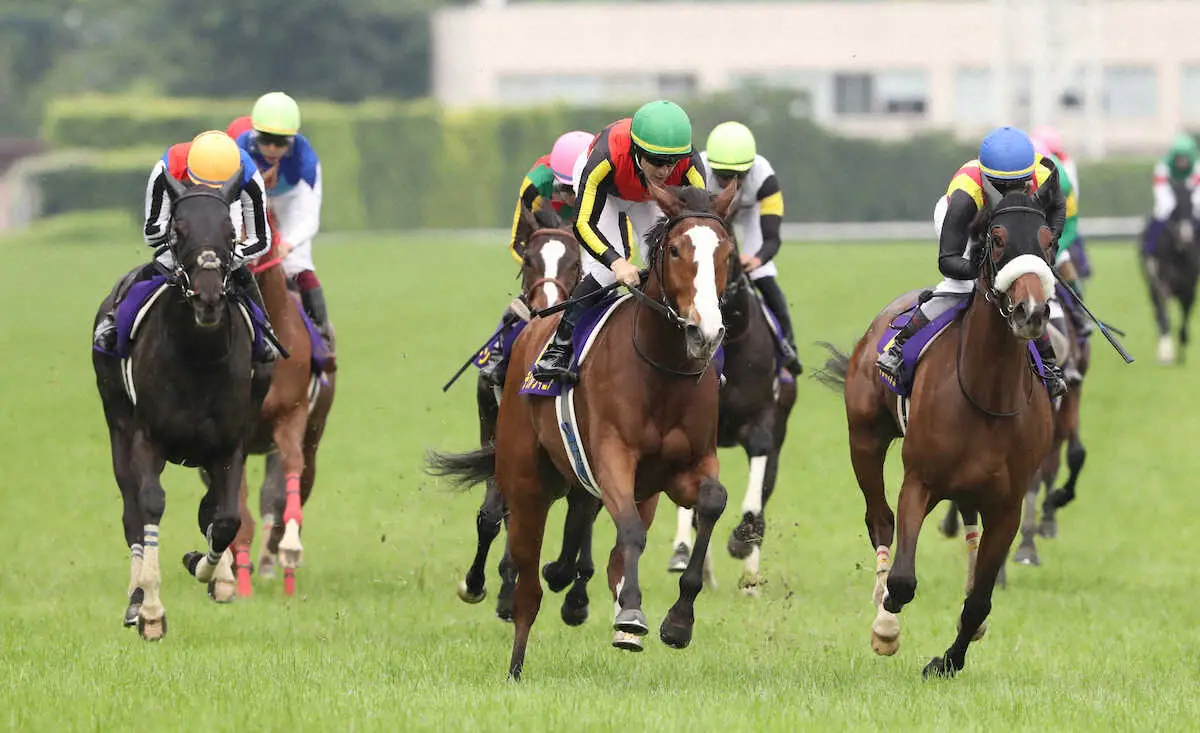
(867, 453)
(527, 509)
(473, 587)
(574, 609)
(1026, 553)
(1064, 419)
(1186, 301)
(746, 538)
(131, 520)
(1166, 348)
(1000, 525)
(616, 475)
(147, 464)
(270, 507)
(243, 540)
(913, 505)
(562, 572)
(682, 544)
(616, 577)
(220, 519)
(289, 438)
(706, 493)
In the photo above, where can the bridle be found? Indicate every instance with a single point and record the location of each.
(207, 260)
(557, 281)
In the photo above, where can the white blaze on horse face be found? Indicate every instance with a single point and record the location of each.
(552, 253)
(705, 302)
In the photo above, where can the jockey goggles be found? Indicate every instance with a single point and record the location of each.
(270, 139)
(660, 161)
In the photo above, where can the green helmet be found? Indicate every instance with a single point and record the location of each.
(731, 147)
(662, 128)
(276, 113)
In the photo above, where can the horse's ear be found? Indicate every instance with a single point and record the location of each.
(670, 204)
(232, 188)
(175, 187)
(991, 195)
(723, 205)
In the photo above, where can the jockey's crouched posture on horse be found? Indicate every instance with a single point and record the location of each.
(1175, 173)
(655, 145)
(1007, 160)
(731, 154)
(550, 182)
(292, 174)
(210, 159)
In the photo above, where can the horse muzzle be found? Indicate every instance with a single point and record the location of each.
(1028, 319)
(700, 347)
(207, 312)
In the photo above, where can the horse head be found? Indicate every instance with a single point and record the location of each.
(1017, 247)
(202, 241)
(690, 255)
(551, 265)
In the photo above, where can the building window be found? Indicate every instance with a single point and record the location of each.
(974, 96)
(1130, 92)
(897, 92)
(592, 88)
(1190, 102)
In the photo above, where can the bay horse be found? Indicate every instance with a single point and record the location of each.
(978, 423)
(184, 395)
(646, 402)
(550, 269)
(288, 432)
(754, 407)
(1171, 272)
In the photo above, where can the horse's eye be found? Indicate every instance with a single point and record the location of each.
(674, 251)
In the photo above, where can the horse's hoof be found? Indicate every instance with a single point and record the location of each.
(191, 560)
(939, 667)
(291, 552)
(1048, 529)
(558, 577)
(1026, 555)
(627, 642)
(631, 621)
(466, 596)
(266, 566)
(949, 526)
(131, 615)
(504, 609)
(222, 591)
(574, 614)
(1166, 351)
(746, 536)
(750, 584)
(152, 629)
(676, 636)
(679, 561)
(885, 634)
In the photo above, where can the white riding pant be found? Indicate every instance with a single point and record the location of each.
(641, 216)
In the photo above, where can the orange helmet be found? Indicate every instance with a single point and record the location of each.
(213, 158)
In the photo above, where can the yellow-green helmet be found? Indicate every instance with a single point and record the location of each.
(275, 113)
(731, 147)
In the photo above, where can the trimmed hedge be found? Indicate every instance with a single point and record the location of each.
(392, 165)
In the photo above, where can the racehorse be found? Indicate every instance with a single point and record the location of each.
(190, 362)
(978, 422)
(288, 430)
(1171, 271)
(646, 410)
(550, 269)
(754, 407)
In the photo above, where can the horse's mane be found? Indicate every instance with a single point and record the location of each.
(694, 199)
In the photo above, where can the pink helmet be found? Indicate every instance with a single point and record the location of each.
(1040, 147)
(567, 148)
(1050, 137)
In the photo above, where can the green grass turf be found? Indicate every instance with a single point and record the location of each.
(1103, 636)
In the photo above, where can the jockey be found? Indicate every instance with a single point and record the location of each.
(1050, 138)
(615, 206)
(292, 174)
(1008, 160)
(210, 159)
(551, 180)
(731, 154)
(1177, 168)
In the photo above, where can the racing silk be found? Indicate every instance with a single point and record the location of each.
(759, 204)
(1164, 191)
(1071, 224)
(248, 213)
(296, 198)
(1067, 163)
(611, 170)
(536, 190)
(964, 199)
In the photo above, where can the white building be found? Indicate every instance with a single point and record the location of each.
(1115, 75)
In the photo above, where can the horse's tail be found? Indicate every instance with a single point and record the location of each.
(463, 469)
(837, 366)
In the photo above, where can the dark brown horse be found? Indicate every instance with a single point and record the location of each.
(288, 431)
(1171, 272)
(754, 409)
(550, 269)
(978, 422)
(646, 404)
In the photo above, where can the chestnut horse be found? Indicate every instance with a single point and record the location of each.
(288, 430)
(978, 426)
(646, 403)
(550, 269)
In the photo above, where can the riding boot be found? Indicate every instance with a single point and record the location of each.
(1054, 376)
(555, 361)
(495, 368)
(314, 305)
(890, 361)
(244, 281)
(776, 301)
(105, 337)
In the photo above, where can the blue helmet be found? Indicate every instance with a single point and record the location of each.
(1006, 154)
